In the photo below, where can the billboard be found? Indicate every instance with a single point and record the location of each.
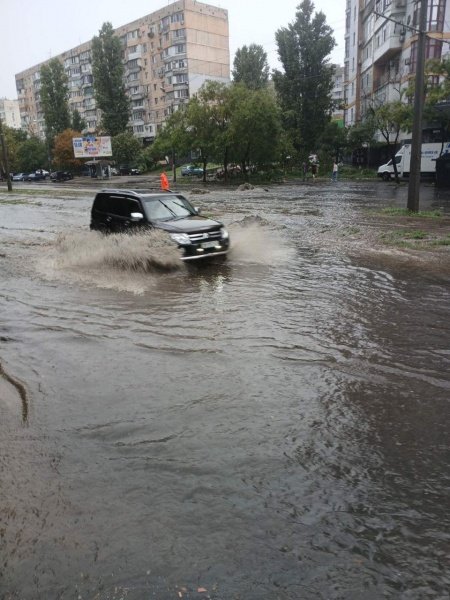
(92, 147)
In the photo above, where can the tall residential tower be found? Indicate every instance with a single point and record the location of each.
(167, 56)
(381, 49)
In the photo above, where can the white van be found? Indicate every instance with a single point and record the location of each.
(430, 152)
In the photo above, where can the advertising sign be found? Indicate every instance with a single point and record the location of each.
(92, 147)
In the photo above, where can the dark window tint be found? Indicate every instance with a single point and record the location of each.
(116, 205)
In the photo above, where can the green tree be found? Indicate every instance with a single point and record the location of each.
(332, 142)
(13, 139)
(361, 135)
(255, 127)
(32, 155)
(304, 87)
(218, 97)
(437, 105)
(78, 123)
(109, 89)
(172, 141)
(126, 148)
(251, 67)
(390, 119)
(54, 98)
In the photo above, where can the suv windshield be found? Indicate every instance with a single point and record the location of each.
(164, 208)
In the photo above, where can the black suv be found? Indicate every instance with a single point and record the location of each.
(61, 176)
(118, 211)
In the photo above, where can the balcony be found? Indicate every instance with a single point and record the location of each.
(388, 49)
(134, 55)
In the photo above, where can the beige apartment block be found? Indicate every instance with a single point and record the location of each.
(10, 113)
(381, 50)
(167, 56)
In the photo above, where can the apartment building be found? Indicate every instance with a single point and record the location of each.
(337, 94)
(381, 49)
(10, 113)
(167, 56)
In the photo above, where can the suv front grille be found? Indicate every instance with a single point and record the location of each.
(197, 238)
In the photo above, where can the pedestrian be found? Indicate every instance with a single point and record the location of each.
(334, 175)
(314, 164)
(164, 182)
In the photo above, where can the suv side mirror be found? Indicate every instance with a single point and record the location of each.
(135, 216)
(197, 210)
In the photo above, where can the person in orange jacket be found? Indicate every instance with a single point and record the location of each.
(164, 182)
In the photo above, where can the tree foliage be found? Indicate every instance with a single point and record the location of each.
(54, 98)
(78, 123)
(109, 89)
(32, 155)
(13, 139)
(63, 155)
(255, 126)
(251, 67)
(437, 104)
(304, 86)
(224, 124)
(126, 148)
(390, 119)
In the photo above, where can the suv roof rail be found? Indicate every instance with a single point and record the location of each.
(119, 191)
(138, 192)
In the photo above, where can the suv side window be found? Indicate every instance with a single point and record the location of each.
(121, 206)
(132, 206)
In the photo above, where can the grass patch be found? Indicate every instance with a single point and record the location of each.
(415, 235)
(416, 240)
(352, 230)
(404, 212)
(442, 241)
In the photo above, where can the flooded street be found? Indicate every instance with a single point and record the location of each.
(272, 427)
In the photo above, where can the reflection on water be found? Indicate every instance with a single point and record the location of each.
(273, 426)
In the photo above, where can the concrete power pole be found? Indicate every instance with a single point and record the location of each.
(5, 157)
(416, 141)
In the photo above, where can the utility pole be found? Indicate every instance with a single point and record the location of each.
(416, 141)
(5, 157)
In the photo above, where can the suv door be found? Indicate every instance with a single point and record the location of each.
(112, 213)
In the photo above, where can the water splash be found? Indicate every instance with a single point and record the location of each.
(123, 262)
(253, 240)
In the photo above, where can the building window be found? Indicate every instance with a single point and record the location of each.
(177, 17)
(436, 12)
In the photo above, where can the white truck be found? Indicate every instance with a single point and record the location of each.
(430, 152)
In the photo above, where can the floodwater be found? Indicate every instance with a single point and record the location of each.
(276, 426)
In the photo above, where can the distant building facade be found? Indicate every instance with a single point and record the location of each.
(381, 54)
(337, 94)
(10, 113)
(167, 56)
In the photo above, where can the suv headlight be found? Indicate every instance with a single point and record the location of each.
(181, 238)
(224, 233)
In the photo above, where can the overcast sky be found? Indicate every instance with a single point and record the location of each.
(36, 30)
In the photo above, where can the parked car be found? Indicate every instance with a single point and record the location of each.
(19, 176)
(34, 177)
(191, 170)
(197, 237)
(114, 171)
(61, 175)
(129, 171)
